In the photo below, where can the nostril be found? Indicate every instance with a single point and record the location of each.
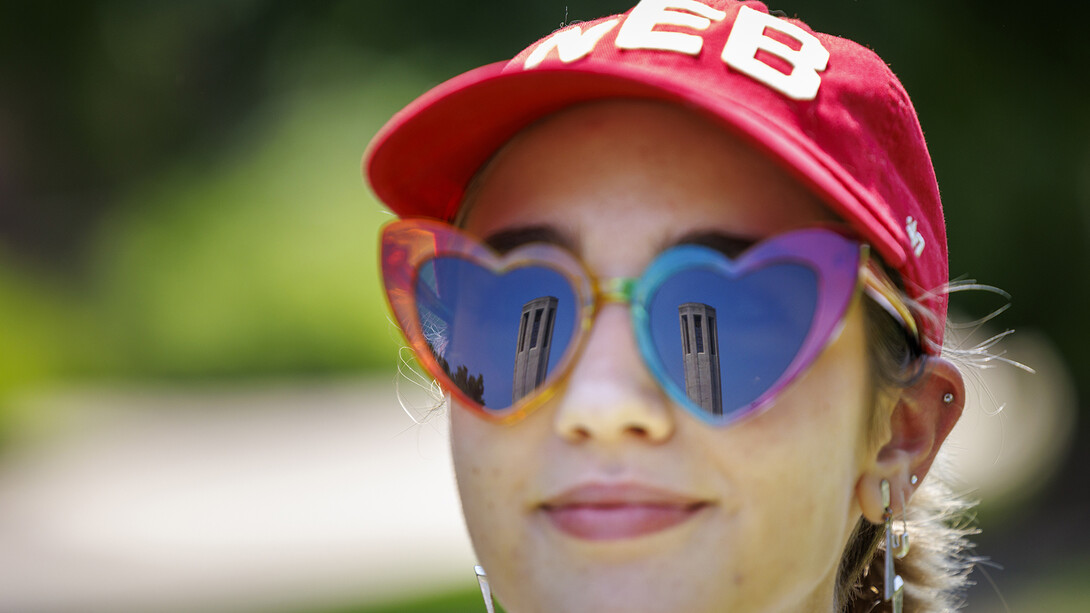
(638, 431)
(580, 433)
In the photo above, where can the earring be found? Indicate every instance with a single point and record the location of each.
(486, 591)
(896, 546)
(947, 398)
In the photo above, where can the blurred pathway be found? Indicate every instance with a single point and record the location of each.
(228, 499)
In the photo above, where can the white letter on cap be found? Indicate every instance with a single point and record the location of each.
(571, 44)
(638, 29)
(748, 36)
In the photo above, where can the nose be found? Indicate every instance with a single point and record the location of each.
(610, 395)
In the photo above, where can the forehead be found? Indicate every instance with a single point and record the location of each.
(640, 169)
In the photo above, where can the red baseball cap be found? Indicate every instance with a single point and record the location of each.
(827, 109)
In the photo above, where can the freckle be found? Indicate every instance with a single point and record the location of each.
(739, 578)
(495, 472)
(476, 470)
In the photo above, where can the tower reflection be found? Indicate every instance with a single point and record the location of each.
(535, 338)
(700, 353)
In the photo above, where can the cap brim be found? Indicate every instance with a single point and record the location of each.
(420, 163)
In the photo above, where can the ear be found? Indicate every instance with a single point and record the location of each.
(921, 419)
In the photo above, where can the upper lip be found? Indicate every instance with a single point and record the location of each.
(619, 494)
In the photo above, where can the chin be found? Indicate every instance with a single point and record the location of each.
(628, 577)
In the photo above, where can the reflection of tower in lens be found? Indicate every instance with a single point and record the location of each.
(532, 348)
(700, 352)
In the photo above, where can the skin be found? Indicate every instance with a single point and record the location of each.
(780, 492)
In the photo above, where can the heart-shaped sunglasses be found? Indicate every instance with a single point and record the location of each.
(722, 336)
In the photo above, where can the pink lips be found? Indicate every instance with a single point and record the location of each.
(610, 512)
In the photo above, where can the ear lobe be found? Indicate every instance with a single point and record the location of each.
(922, 417)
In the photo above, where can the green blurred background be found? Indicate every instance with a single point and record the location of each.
(181, 203)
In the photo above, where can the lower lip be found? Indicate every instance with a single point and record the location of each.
(621, 521)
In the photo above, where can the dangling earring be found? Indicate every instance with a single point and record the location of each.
(896, 546)
(486, 592)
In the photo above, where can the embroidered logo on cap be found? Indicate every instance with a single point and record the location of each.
(747, 42)
(914, 236)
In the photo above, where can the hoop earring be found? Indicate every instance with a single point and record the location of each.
(896, 546)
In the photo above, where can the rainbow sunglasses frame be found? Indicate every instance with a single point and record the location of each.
(408, 244)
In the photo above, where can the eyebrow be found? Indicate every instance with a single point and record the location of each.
(506, 240)
(730, 245)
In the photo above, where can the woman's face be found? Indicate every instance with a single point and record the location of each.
(610, 497)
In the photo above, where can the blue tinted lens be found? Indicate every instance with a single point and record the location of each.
(497, 336)
(722, 340)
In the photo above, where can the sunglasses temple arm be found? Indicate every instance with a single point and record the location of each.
(486, 591)
(885, 296)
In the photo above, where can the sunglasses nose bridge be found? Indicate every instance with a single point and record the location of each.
(616, 289)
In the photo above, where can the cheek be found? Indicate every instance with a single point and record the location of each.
(479, 477)
(790, 472)
(475, 451)
(493, 466)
